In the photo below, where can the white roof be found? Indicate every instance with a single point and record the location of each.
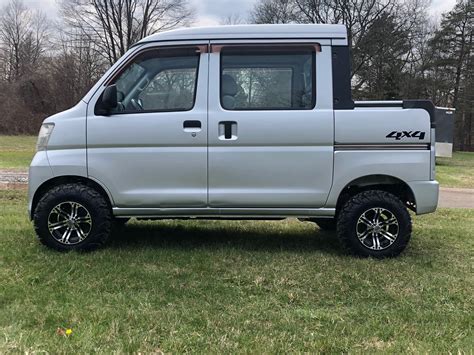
(276, 31)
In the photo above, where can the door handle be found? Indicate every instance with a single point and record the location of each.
(192, 126)
(227, 130)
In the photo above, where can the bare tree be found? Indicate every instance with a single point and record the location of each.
(274, 11)
(74, 68)
(364, 21)
(115, 25)
(233, 19)
(23, 39)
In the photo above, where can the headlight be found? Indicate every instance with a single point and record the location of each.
(43, 136)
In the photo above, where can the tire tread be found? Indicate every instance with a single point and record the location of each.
(346, 215)
(88, 194)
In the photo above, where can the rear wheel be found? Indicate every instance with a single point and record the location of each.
(374, 223)
(72, 217)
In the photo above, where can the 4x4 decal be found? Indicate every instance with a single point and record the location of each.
(406, 134)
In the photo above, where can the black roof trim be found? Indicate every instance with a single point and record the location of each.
(310, 39)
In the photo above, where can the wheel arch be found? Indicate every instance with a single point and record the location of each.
(66, 179)
(382, 182)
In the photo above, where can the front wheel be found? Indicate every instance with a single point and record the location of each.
(374, 223)
(72, 217)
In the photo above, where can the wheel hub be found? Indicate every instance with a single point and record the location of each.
(377, 228)
(69, 223)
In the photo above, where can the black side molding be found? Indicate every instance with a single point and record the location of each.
(378, 104)
(425, 105)
(341, 78)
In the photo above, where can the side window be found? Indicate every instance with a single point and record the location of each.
(158, 80)
(170, 89)
(268, 79)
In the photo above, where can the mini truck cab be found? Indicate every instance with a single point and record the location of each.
(251, 121)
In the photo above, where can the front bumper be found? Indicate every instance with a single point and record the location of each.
(40, 172)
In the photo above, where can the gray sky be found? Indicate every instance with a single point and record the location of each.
(211, 12)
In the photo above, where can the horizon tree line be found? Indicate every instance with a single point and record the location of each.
(397, 51)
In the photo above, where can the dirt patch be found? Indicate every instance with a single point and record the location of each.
(456, 198)
(13, 186)
(13, 179)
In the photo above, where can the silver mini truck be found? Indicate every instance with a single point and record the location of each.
(253, 121)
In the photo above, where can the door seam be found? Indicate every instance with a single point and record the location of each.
(207, 119)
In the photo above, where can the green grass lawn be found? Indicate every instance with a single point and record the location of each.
(457, 171)
(236, 286)
(16, 152)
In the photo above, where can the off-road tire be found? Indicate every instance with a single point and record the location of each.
(98, 208)
(355, 207)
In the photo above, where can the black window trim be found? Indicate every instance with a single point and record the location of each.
(283, 47)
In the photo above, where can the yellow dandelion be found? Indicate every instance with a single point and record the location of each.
(68, 331)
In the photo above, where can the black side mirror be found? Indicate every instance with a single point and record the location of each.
(109, 98)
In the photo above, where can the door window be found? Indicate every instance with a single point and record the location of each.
(158, 80)
(170, 89)
(269, 79)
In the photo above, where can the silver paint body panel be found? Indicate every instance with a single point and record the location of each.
(67, 146)
(147, 159)
(276, 160)
(371, 125)
(283, 163)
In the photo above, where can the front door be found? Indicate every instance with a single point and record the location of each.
(151, 151)
(270, 125)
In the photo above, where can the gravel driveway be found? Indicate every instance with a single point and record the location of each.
(456, 198)
(13, 179)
